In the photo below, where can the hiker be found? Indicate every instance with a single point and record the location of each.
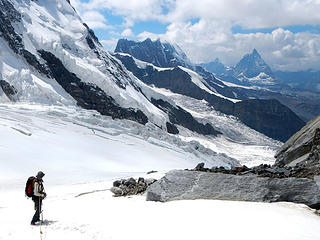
(38, 195)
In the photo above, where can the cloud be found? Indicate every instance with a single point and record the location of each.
(137, 10)
(249, 13)
(95, 20)
(127, 33)
(110, 43)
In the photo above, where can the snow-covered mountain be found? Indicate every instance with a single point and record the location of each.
(250, 70)
(160, 54)
(255, 79)
(269, 117)
(254, 69)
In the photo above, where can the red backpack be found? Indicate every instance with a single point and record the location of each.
(30, 186)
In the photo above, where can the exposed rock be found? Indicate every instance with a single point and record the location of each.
(126, 187)
(8, 16)
(89, 96)
(177, 115)
(302, 148)
(8, 89)
(269, 117)
(199, 167)
(171, 128)
(264, 170)
(184, 185)
(117, 191)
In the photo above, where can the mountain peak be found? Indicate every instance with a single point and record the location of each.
(255, 52)
(158, 53)
(252, 65)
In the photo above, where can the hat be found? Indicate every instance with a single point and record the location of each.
(40, 175)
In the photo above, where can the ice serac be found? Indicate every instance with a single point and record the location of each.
(190, 185)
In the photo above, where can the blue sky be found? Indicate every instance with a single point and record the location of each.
(286, 33)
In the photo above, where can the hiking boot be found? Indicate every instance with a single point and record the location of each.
(36, 222)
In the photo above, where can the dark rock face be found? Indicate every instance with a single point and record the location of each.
(302, 147)
(184, 185)
(179, 116)
(305, 104)
(268, 116)
(265, 170)
(9, 90)
(171, 128)
(155, 52)
(126, 187)
(92, 39)
(9, 15)
(87, 95)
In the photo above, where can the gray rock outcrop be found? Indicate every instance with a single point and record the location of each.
(302, 147)
(126, 187)
(189, 185)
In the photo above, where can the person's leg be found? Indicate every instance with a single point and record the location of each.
(37, 207)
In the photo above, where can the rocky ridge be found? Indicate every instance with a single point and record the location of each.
(303, 148)
(190, 185)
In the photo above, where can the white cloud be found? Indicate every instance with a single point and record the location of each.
(127, 33)
(95, 20)
(250, 13)
(110, 44)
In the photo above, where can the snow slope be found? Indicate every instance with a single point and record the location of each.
(82, 152)
(87, 211)
(65, 139)
(199, 81)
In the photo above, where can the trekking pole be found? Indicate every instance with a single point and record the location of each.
(40, 212)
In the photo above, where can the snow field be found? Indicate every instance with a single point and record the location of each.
(82, 153)
(97, 215)
(69, 140)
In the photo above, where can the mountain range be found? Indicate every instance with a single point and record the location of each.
(266, 116)
(252, 76)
